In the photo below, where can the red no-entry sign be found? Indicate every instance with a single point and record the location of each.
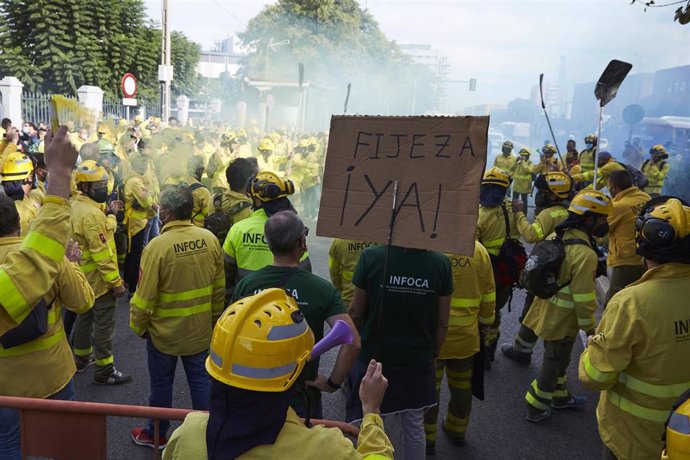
(129, 85)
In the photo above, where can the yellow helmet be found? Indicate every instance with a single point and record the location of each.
(559, 183)
(260, 343)
(90, 171)
(266, 144)
(548, 149)
(496, 176)
(658, 150)
(17, 167)
(138, 119)
(662, 223)
(590, 139)
(275, 137)
(525, 152)
(591, 201)
(678, 431)
(267, 186)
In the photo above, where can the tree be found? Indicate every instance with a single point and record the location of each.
(59, 45)
(338, 43)
(682, 13)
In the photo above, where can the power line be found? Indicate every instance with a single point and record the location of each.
(229, 12)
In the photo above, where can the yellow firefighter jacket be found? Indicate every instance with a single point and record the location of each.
(544, 224)
(238, 203)
(202, 201)
(42, 367)
(522, 176)
(294, 441)
(28, 211)
(587, 159)
(473, 303)
(572, 307)
(181, 290)
(342, 260)
(138, 204)
(656, 174)
(95, 233)
(548, 165)
(626, 207)
(639, 359)
(602, 175)
(506, 163)
(27, 274)
(491, 227)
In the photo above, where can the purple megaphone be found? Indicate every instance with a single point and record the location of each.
(339, 334)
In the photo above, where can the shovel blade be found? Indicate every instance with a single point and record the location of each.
(611, 80)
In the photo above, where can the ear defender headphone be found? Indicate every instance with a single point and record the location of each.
(267, 186)
(653, 232)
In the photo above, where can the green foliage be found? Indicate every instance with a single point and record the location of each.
(338, 43)
(60, 45)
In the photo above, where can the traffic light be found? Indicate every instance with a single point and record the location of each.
(473, 84)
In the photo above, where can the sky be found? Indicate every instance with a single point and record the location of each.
(504, 44)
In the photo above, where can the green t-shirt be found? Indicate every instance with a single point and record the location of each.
(317, 298)
(415, 280)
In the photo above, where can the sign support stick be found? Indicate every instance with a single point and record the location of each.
(382, 287)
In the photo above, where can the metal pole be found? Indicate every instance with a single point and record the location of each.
(165, 60)
(596, 152)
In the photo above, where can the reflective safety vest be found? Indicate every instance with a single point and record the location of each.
(544, 224)
(246, 248)
(342, 260)
(22, 285)
(43, 366)
(473, 302)
(573, 307)
(181, 289)
(639, 358)
(95, 233)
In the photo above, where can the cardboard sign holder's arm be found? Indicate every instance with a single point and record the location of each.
(379, 316)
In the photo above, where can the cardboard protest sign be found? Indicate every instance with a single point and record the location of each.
(438, 163)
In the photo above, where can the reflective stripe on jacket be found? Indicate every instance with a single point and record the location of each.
(22, 285)
(573, 307)
(342, 260)
(42, 367)
(544, 224)
(181, 289)
(626, 207)
(655, 175)
(473, 303)
(95, 233)
(491, 227)
(639, 358)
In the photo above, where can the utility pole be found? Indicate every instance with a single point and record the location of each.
(165, 70)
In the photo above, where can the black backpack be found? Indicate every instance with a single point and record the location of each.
(511, 259)
(540, 275)
(639, 180)
(219, 222)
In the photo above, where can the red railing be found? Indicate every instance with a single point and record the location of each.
(47, 424)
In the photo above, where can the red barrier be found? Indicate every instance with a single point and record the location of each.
(47, 423)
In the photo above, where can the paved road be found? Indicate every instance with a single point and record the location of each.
(497, 430)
